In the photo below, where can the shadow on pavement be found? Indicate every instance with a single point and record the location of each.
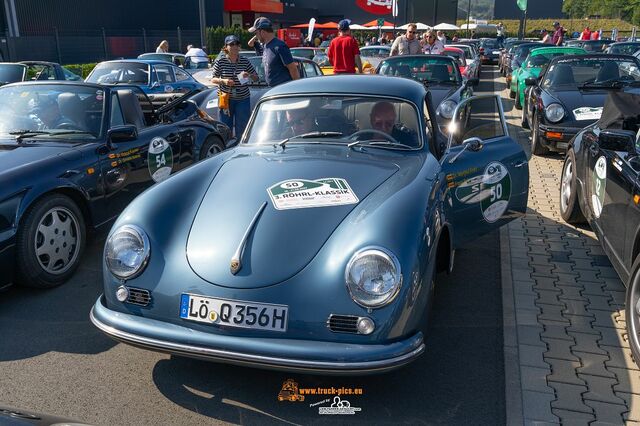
(36, 321)
(459, 380)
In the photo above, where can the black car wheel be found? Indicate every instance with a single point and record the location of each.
(536, 147)
(212, 146)
(569, 204)
(512, 94)
(523, 118)
(50, 242)
(632, 312)
(517, 103)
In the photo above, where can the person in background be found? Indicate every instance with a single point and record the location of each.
(279, 66)
(431, 45)
(163, 47)
(558, 35)
(255, 45)
(344, 52)
(546, 37)
(455, 38)
(586, 34)
(225, 75)
(500, 33)
(442, 37)
(195, 57)
(317, 41)
(595, 35)
(374, 41)
(406, 44)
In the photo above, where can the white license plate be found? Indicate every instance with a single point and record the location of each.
(562, 145)
(234, 313)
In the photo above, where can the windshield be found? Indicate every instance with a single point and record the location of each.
(156, 57)
(425, 69)
(596, 45)
(120, 72)
(322, 59)
(52, 109)
(625, 49)
(572, 73)
(303, 53)
(374, 52)
(11, 73)
(521, 52)
(491, 44)
(458, 56)
(542, 59)
(338, 119)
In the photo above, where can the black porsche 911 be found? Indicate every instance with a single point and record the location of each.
(599, 184)
(439, 73)
(570, 94)
(72, 156)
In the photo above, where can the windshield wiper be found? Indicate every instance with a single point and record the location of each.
(70, 132)
(379, 142)
(21, 134)
(309, 135)
(614, 83)
(435, 82)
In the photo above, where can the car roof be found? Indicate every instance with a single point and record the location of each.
(450, 48)
(58, 83)
(372, 85)
(137, 61)
(419, 56)
(163, 53)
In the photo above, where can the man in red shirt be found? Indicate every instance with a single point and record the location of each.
(344, 52)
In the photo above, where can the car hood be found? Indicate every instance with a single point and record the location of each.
(574, 99)
(14, 155)
(440, 93)
(281, 242)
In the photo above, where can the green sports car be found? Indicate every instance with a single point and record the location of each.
(532, 67)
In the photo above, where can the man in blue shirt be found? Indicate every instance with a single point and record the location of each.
(279, 66)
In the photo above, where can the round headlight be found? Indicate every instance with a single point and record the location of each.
(554, 112)
(373, 277)
(446, 108)
(127, 252)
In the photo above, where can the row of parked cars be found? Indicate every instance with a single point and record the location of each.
(583, 99)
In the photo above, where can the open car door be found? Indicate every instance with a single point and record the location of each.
(485, 171)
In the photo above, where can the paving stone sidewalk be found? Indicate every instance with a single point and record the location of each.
(567, 302)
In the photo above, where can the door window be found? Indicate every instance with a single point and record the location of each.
(310, 69)
(116, 112)
(40, 72)
(182, 75)
(165, 74)
(480, 117)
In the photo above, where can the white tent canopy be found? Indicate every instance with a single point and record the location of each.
(445, 27)
(421, 26)
(356, 27)
(488, 27)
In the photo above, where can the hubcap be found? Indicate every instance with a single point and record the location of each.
(565, 192)
(56, 240)
(213, 150)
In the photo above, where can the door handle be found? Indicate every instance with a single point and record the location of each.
(594, 149)
(520, 164)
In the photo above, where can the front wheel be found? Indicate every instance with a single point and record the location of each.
(211, 147)
(517, 102)
(50, 242)
(632, 312)
(523, 118)
(569, 204)
(536, 147)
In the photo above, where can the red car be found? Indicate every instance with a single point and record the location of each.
(458, 55)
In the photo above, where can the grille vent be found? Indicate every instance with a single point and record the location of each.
(138, 296)
(343, 323)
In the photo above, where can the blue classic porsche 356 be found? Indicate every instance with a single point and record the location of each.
(313, 245)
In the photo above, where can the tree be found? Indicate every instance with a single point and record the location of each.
(578, 9)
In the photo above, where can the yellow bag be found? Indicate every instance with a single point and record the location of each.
(223, 100)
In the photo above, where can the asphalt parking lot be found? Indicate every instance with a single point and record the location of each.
(52, 359)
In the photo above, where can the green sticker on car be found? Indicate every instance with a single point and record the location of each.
(160, 159)
(491, 189)
(303, 193)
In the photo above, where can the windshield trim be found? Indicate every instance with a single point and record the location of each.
(420, 130)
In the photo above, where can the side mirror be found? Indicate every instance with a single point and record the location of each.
(531, 81)
(124, 133)
(473, 81)
(618, 140)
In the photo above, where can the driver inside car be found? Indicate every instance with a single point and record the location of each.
(46, 113)
(384, 119)
(299, 122)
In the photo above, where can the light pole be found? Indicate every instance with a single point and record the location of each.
(468, 17)
(203, 24)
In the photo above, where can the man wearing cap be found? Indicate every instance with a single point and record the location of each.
(558, 35)
(279, 66)
(344, 52)
(407, 44)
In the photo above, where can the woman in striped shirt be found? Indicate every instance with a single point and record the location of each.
(225, 75)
